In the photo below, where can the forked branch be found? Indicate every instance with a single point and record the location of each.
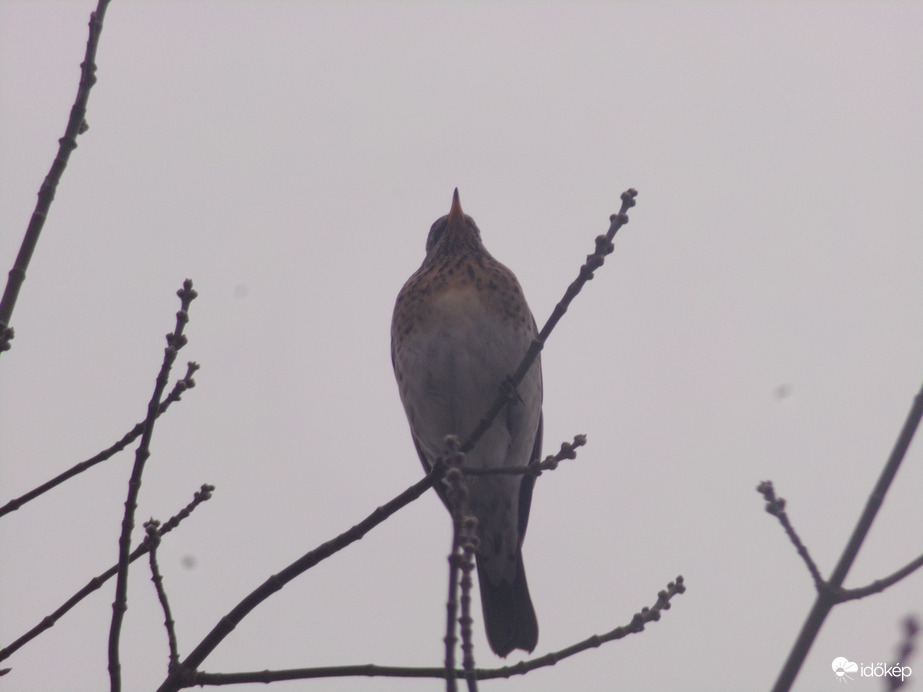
(830, 591)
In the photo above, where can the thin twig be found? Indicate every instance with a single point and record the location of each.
(175, 341)
(175, 395)
(203, 494)
(179, 677)
(880, 585)
(904, 653)
(456, 498)
(593, 262)
(635, 626)
(455, 484)
(827, 597)
(535, 468)
(469, 543)
(461, 563)
(76, 125)
(152, 528)
(776, 507)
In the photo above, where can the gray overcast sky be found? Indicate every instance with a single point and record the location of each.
(760, 319)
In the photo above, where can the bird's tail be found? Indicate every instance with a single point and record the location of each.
(509, 617)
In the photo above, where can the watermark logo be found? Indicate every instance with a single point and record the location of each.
(847, 671)
(843, 667)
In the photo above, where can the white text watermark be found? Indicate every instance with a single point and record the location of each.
(846, 670)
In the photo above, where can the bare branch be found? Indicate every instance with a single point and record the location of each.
(152, 528)
(776, 507)
(827, 597)
(456, 494)
(904, 653)
(461, 561)
(549, 463)
(175, 341)
(76, 125)
(175, 395)
(594, 261)
(469, 544)
(203, 494)
(880, 585)
(637, 624)
(184, 671)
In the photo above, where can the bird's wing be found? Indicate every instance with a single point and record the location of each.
(528, 482)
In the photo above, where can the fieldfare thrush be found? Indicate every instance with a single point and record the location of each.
(461, 326)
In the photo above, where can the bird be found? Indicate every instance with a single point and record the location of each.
(461, 326)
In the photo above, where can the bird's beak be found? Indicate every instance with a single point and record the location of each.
(456, 213)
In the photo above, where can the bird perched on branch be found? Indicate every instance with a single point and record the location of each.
(461, 326)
